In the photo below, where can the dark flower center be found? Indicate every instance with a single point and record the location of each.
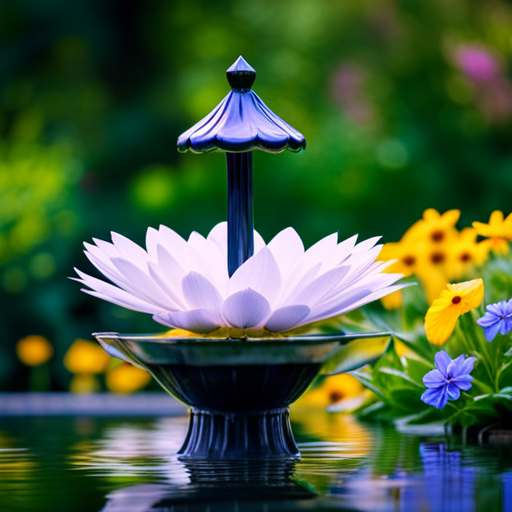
(437, 258)
(437, 236)
(456, 299)
(465, 256)
(409, 260)
(335, 396)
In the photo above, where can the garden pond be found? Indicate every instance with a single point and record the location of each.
(129, 464)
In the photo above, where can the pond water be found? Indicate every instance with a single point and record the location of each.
(129, 465)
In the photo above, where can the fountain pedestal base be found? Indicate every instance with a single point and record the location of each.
(248, 435)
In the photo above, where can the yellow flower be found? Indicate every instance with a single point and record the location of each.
(456, 300)
(404, 253)
(434, 228)
(433, 281)
(499, 231)
(34, 350)
(126, 378)
(466, 254)
(332, 390)
(84, 383)
(393, 300)
(86, 357)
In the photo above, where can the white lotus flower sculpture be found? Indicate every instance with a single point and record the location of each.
(185, 284)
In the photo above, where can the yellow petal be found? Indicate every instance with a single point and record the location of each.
(451, 217)
(430, 214)
(439, 324)
(496, 217)
(444, 312)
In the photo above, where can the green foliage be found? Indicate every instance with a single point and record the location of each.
(92, 102)
(397, 380)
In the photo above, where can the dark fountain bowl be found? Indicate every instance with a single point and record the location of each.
(239, 390)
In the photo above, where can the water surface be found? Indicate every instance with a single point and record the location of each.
(129, 464)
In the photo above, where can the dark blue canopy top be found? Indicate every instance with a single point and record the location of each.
(241, 122)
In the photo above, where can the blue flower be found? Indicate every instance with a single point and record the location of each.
(448, 379)
(498, 318)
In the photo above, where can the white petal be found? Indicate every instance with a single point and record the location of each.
(173, 243)
(152, 239)
(342, 304)
(315, 291)
(145, 285)
(344, 249)
(246, 309)
(197, 320)
(197, 240)
(107, 268)
(287, 248)
(353, 300)
(259, 243)
(261, 273)
(287, 318)
(218, 237)
(298, 282)
(169, 283)
(322, 252)
(200, 293)
(129, 250)
(106, 247)
(366, 245)
(114, 294)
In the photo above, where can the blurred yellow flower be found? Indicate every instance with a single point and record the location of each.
(456, 300)
(434, 228)
(85, 357)
(405, 254)
(433, 281)
(498, 231)
(84, 383)
(332, 390)
(34, 350)
(126, 378)
(466, 254)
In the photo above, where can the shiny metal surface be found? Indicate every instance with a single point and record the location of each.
(157, 349)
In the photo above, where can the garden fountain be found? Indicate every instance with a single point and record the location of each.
(245, 365)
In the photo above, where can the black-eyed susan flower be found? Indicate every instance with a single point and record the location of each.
(498, 232)
(466, 254)
(434, 228)
(333, 390)
(454, 301)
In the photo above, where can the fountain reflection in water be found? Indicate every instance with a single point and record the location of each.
(131, 465)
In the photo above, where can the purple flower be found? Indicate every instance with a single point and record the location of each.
(447, 379)
(478, 63)
(498, 318)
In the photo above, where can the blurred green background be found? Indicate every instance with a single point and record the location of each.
(405, 105)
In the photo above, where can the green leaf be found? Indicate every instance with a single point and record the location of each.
(402, 375)
(508, 353)
(365, 379)
(355, 354)
(417, 369)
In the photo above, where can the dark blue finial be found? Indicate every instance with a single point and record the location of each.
(241, 75)
(239, 124)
